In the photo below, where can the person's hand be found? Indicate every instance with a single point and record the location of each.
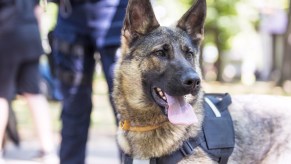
(38, 12)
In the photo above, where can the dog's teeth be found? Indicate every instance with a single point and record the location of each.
(161, 93)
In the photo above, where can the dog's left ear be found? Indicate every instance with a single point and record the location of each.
(193, 20)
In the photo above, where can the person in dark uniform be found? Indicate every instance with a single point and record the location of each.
(20, 50)
(83, 27)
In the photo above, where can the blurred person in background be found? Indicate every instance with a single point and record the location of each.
(83, 28)
(20, 50)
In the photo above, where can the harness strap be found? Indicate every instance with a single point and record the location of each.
(213, 107)
(223, 160)
(187, 149)
(222, 101)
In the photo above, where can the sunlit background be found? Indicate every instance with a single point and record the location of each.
(246, 49)
(245, 42)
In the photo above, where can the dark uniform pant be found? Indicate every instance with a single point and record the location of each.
(75, 61)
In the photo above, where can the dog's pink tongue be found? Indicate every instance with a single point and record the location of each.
(179, 111)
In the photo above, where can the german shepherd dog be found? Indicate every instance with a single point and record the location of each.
(158, 95)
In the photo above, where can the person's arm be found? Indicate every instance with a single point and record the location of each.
(38, 11)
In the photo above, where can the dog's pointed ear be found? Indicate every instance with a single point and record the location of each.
(139, 19)
(193, 20)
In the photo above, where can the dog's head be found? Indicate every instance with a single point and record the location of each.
(159, 66)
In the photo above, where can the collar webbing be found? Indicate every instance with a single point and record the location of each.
(125, 125)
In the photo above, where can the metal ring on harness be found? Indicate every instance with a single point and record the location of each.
(65, 8)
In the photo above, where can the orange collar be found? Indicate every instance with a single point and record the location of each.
(125, 125)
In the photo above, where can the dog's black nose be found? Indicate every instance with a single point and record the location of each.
(191, 80)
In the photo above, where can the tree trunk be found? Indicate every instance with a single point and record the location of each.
(218, 63)
(286, 64)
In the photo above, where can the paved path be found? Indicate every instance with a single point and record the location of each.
(102, 148)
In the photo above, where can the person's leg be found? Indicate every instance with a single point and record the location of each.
(75, 73)
(28, 85)
(108, 59)
(3, 121)
(12, 130)
(76, 111)
(42, 121)
(8, 69)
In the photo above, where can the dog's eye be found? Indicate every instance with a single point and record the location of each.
(160, 53)
(189, 54)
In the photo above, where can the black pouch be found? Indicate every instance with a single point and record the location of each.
(219, 131)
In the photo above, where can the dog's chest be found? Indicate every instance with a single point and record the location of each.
(166, 144)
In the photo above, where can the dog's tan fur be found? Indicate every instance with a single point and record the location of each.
(262, 123)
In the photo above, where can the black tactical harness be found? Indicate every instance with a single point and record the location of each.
(216, 137)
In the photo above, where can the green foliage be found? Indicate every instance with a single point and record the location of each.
(221, 22)
(187, 3)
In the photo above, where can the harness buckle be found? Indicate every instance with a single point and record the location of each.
(187, 149)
